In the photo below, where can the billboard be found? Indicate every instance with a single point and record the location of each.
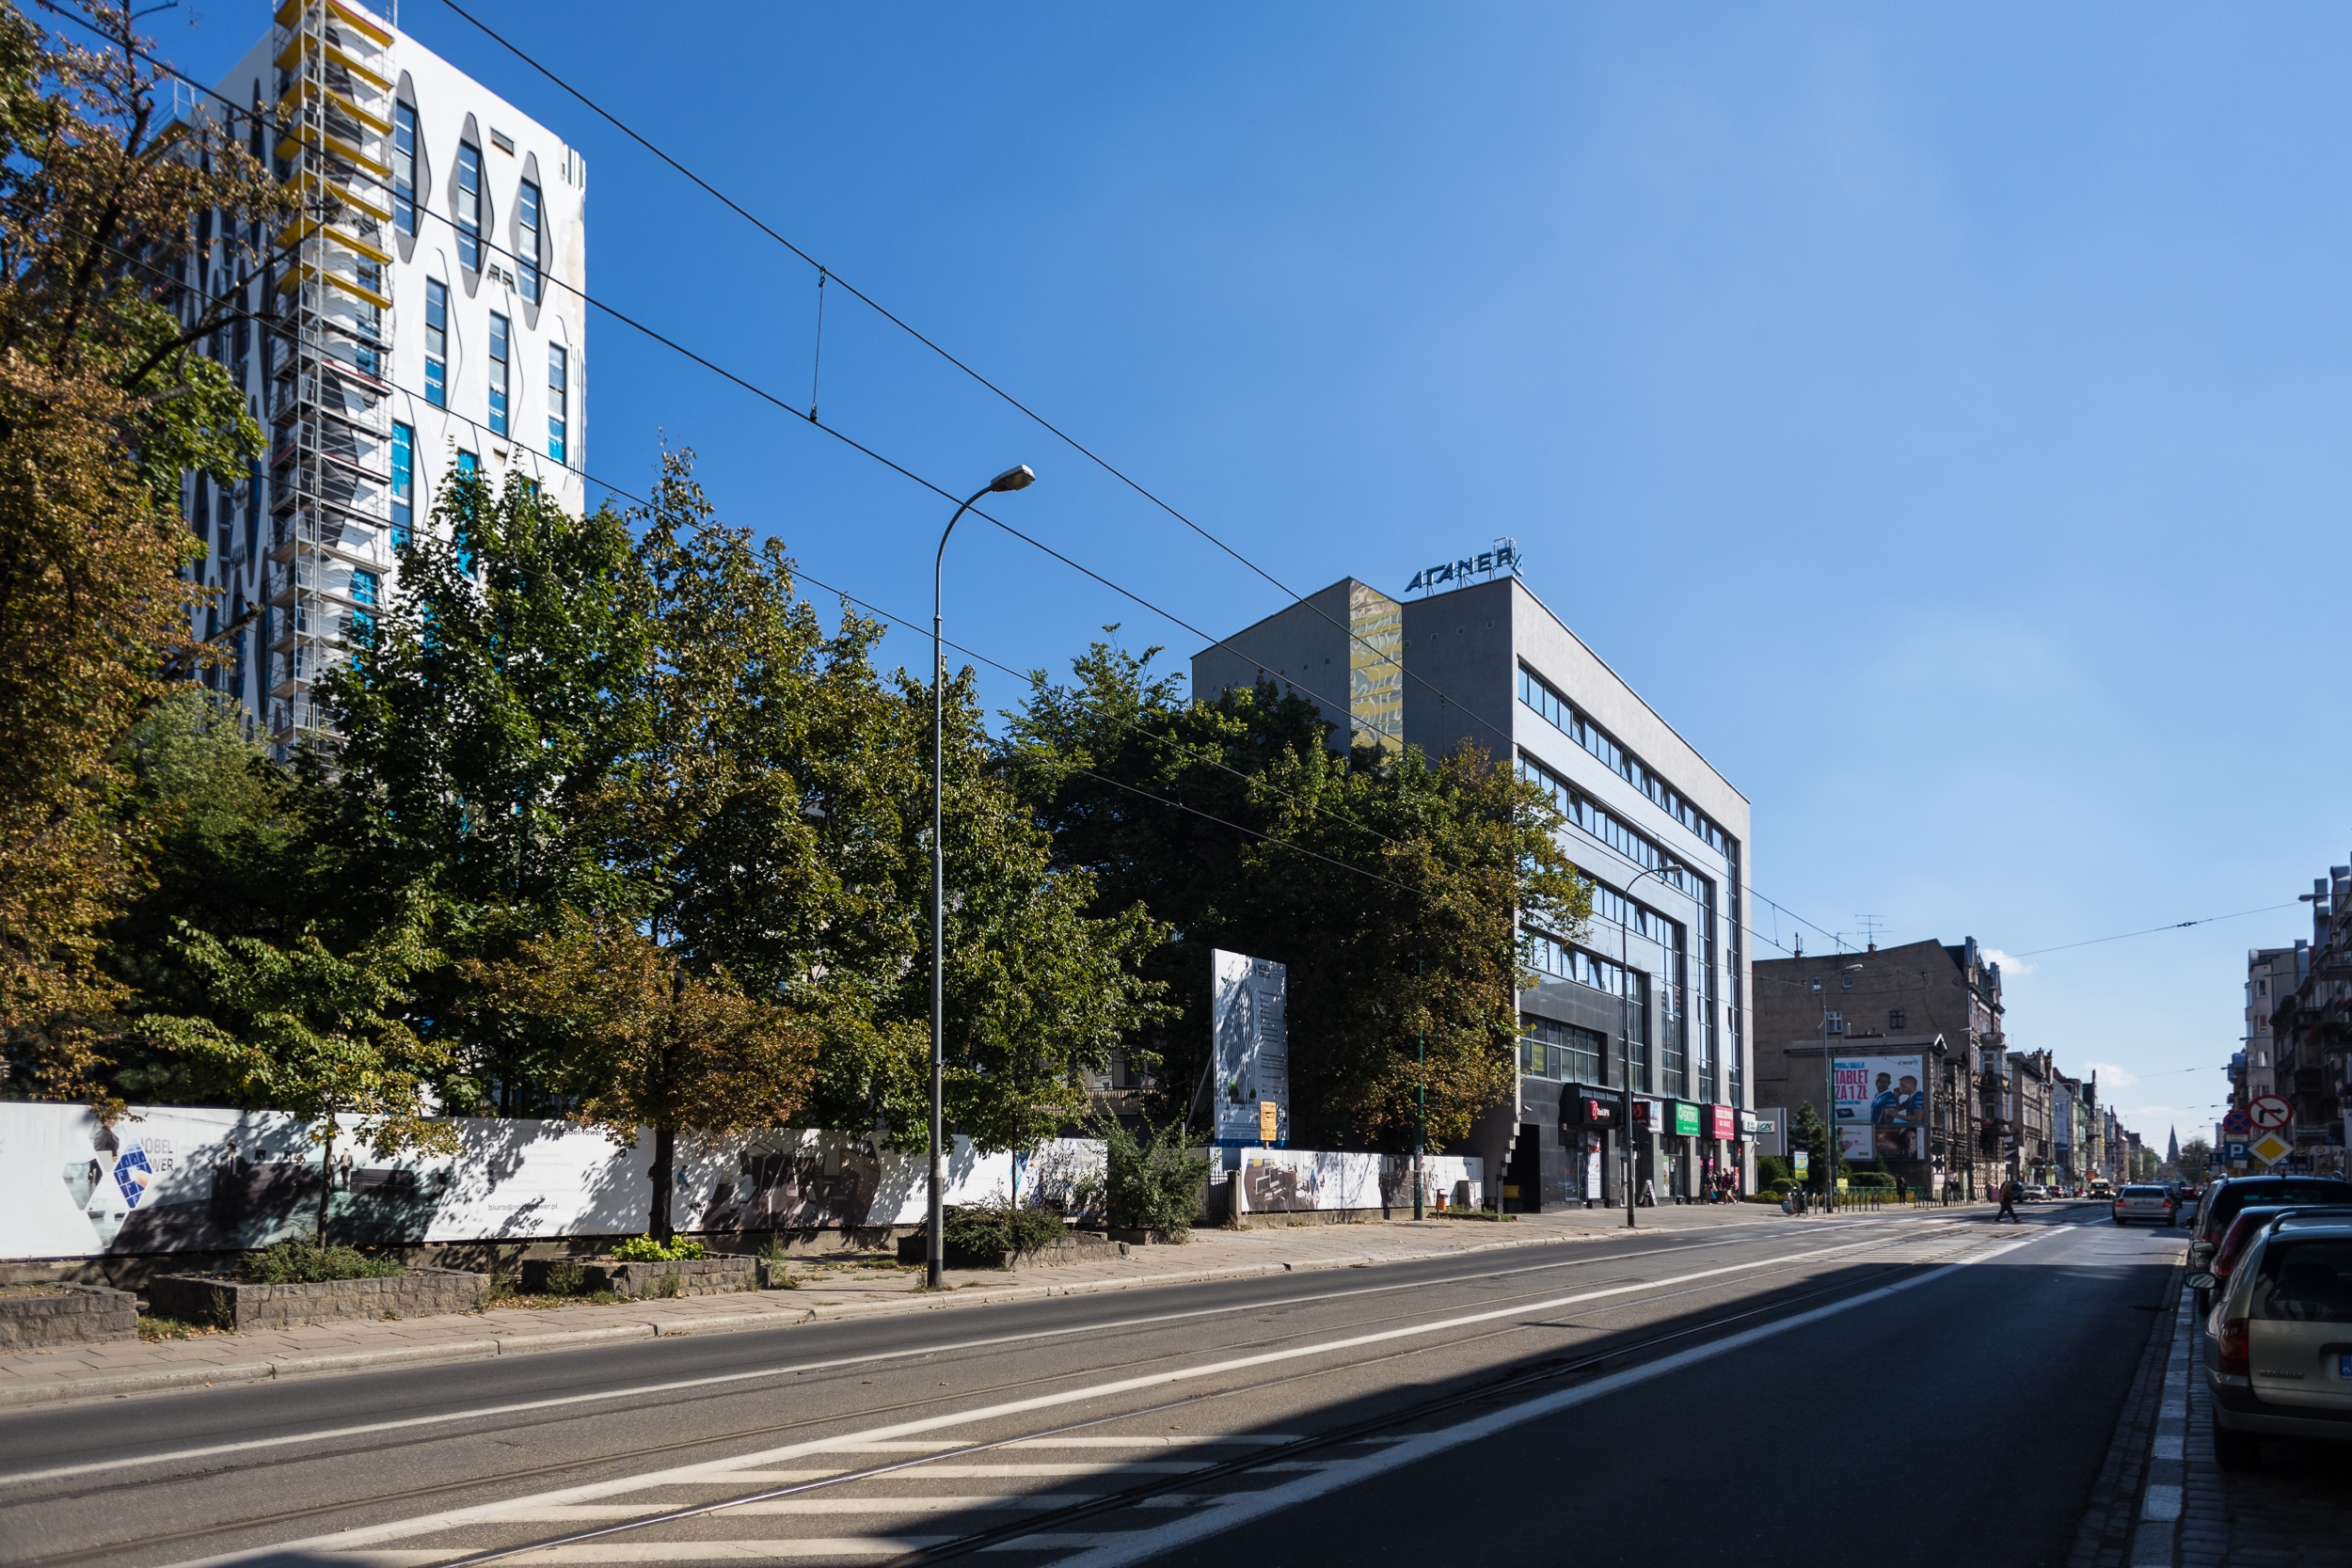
(1882, 1107)
(1253, 1062)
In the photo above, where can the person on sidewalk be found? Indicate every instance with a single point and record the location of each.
(2009, 1203)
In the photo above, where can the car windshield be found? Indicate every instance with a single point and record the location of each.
(2306, 1281)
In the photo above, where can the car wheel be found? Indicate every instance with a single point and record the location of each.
(2236, 1451)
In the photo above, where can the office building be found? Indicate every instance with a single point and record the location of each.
(1651, 1000)
(422, 314)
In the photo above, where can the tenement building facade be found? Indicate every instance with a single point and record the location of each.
(422, 316)
(1636, 1031)
(1830, 1027)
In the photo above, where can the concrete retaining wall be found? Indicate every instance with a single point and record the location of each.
(230, 1303)
(695, 1277)
(72, 1315)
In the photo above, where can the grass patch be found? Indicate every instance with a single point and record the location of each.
(154, 1329)
(305, 1261)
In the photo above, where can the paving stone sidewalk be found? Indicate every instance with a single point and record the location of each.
(849, 1286)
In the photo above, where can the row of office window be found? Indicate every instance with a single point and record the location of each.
(1569, 720)
(1563, 1050)
(1603, 824)
(500, 411)
(469, 203)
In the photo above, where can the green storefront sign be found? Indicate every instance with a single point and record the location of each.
(1686, 1119)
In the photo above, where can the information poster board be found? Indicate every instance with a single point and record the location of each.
(1253, 1062)
(1882, 1107)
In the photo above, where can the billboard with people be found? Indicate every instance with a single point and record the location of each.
(1882, 1107)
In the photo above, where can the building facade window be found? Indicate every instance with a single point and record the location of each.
(559, 401)
(403, 485)
(1897, 1018)
(1563, 1052)
(1548, 955)
(404, 167)
(527, 240)
(1564, 716)
(437, 342)
(469, 206)
(498, 331)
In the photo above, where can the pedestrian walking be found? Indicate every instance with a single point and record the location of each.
(1902, 1190)
(2009, 1203)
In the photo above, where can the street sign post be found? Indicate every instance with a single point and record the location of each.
(2234, 1151)
(2268, 1113)
(2238, 1124)
(2270, 1149)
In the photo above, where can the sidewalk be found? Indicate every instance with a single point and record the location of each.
(849, 1286)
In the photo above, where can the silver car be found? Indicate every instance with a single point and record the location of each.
(2137, 1202)
(2279, 1342)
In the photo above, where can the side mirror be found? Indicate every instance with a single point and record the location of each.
(2203, 1282)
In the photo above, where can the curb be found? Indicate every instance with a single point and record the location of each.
(123, 1385)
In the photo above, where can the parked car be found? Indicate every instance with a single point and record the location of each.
(2277, 1357)
(2223, 1199)
(2141, 1202)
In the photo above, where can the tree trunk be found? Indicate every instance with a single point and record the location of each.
(327, 1185)
(664, 1159)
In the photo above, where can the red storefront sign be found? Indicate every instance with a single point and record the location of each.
(1723, 1120)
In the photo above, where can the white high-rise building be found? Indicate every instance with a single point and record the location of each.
(422, 314)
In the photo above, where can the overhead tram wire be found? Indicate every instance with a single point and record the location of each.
(826, 273)
(843, 437)
(785, 405)
(846, 595)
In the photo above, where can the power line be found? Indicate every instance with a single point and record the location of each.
(871, 453)
(2151, 930)
(825, 274)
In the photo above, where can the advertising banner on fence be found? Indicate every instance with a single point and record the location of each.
(1882, 1107)
(178, 1178)
(1252, 1038)
(1300, 1181)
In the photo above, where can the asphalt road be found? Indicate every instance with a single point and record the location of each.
(1917, 1388)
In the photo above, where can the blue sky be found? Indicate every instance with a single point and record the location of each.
(1938, 412)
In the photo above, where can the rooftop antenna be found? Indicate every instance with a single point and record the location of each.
(1871, 925)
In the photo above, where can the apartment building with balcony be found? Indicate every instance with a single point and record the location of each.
(421, 316)
(1636, 1029)
(2310, 1030)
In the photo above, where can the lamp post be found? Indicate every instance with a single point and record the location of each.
(1625, 1035)
(1829, 1102)
(1019, 478)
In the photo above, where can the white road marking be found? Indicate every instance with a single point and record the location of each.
(368, 1429)
(1241, 1507)
(344, 1540)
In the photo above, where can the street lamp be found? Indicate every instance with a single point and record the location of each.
(1665, 868)
(1829, 1102)
(1019, 478)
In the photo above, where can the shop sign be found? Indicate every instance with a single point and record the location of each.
(1749, 1126)
(1644, 1115)
(1726, 1122)
(1686, 1119)
(1593, 1111)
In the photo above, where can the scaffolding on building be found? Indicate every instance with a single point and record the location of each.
(329, 394)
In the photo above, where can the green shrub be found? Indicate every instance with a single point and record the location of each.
(303, 1261)
(1771, 1171)
(644, 1250)
(566, 1278)
(1870, 1178)
(1465, 1214)
(999, 1226)
(1154, 1183)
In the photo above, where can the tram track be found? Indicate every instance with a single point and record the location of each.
(1731, 1275)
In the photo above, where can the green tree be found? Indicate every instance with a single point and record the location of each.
(1806, 1130)
(648, 1044)
(326, 1036)
(483, 725)
(1388, 884)
(103, 403)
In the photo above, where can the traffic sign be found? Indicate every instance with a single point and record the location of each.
(2235, 1150)
(2270, 1149)
(2268, 1112)
(2236, 1124)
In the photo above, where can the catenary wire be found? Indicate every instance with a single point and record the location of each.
(895, 320)
(854, 444)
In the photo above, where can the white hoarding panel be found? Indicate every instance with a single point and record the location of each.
(1253, 1043)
